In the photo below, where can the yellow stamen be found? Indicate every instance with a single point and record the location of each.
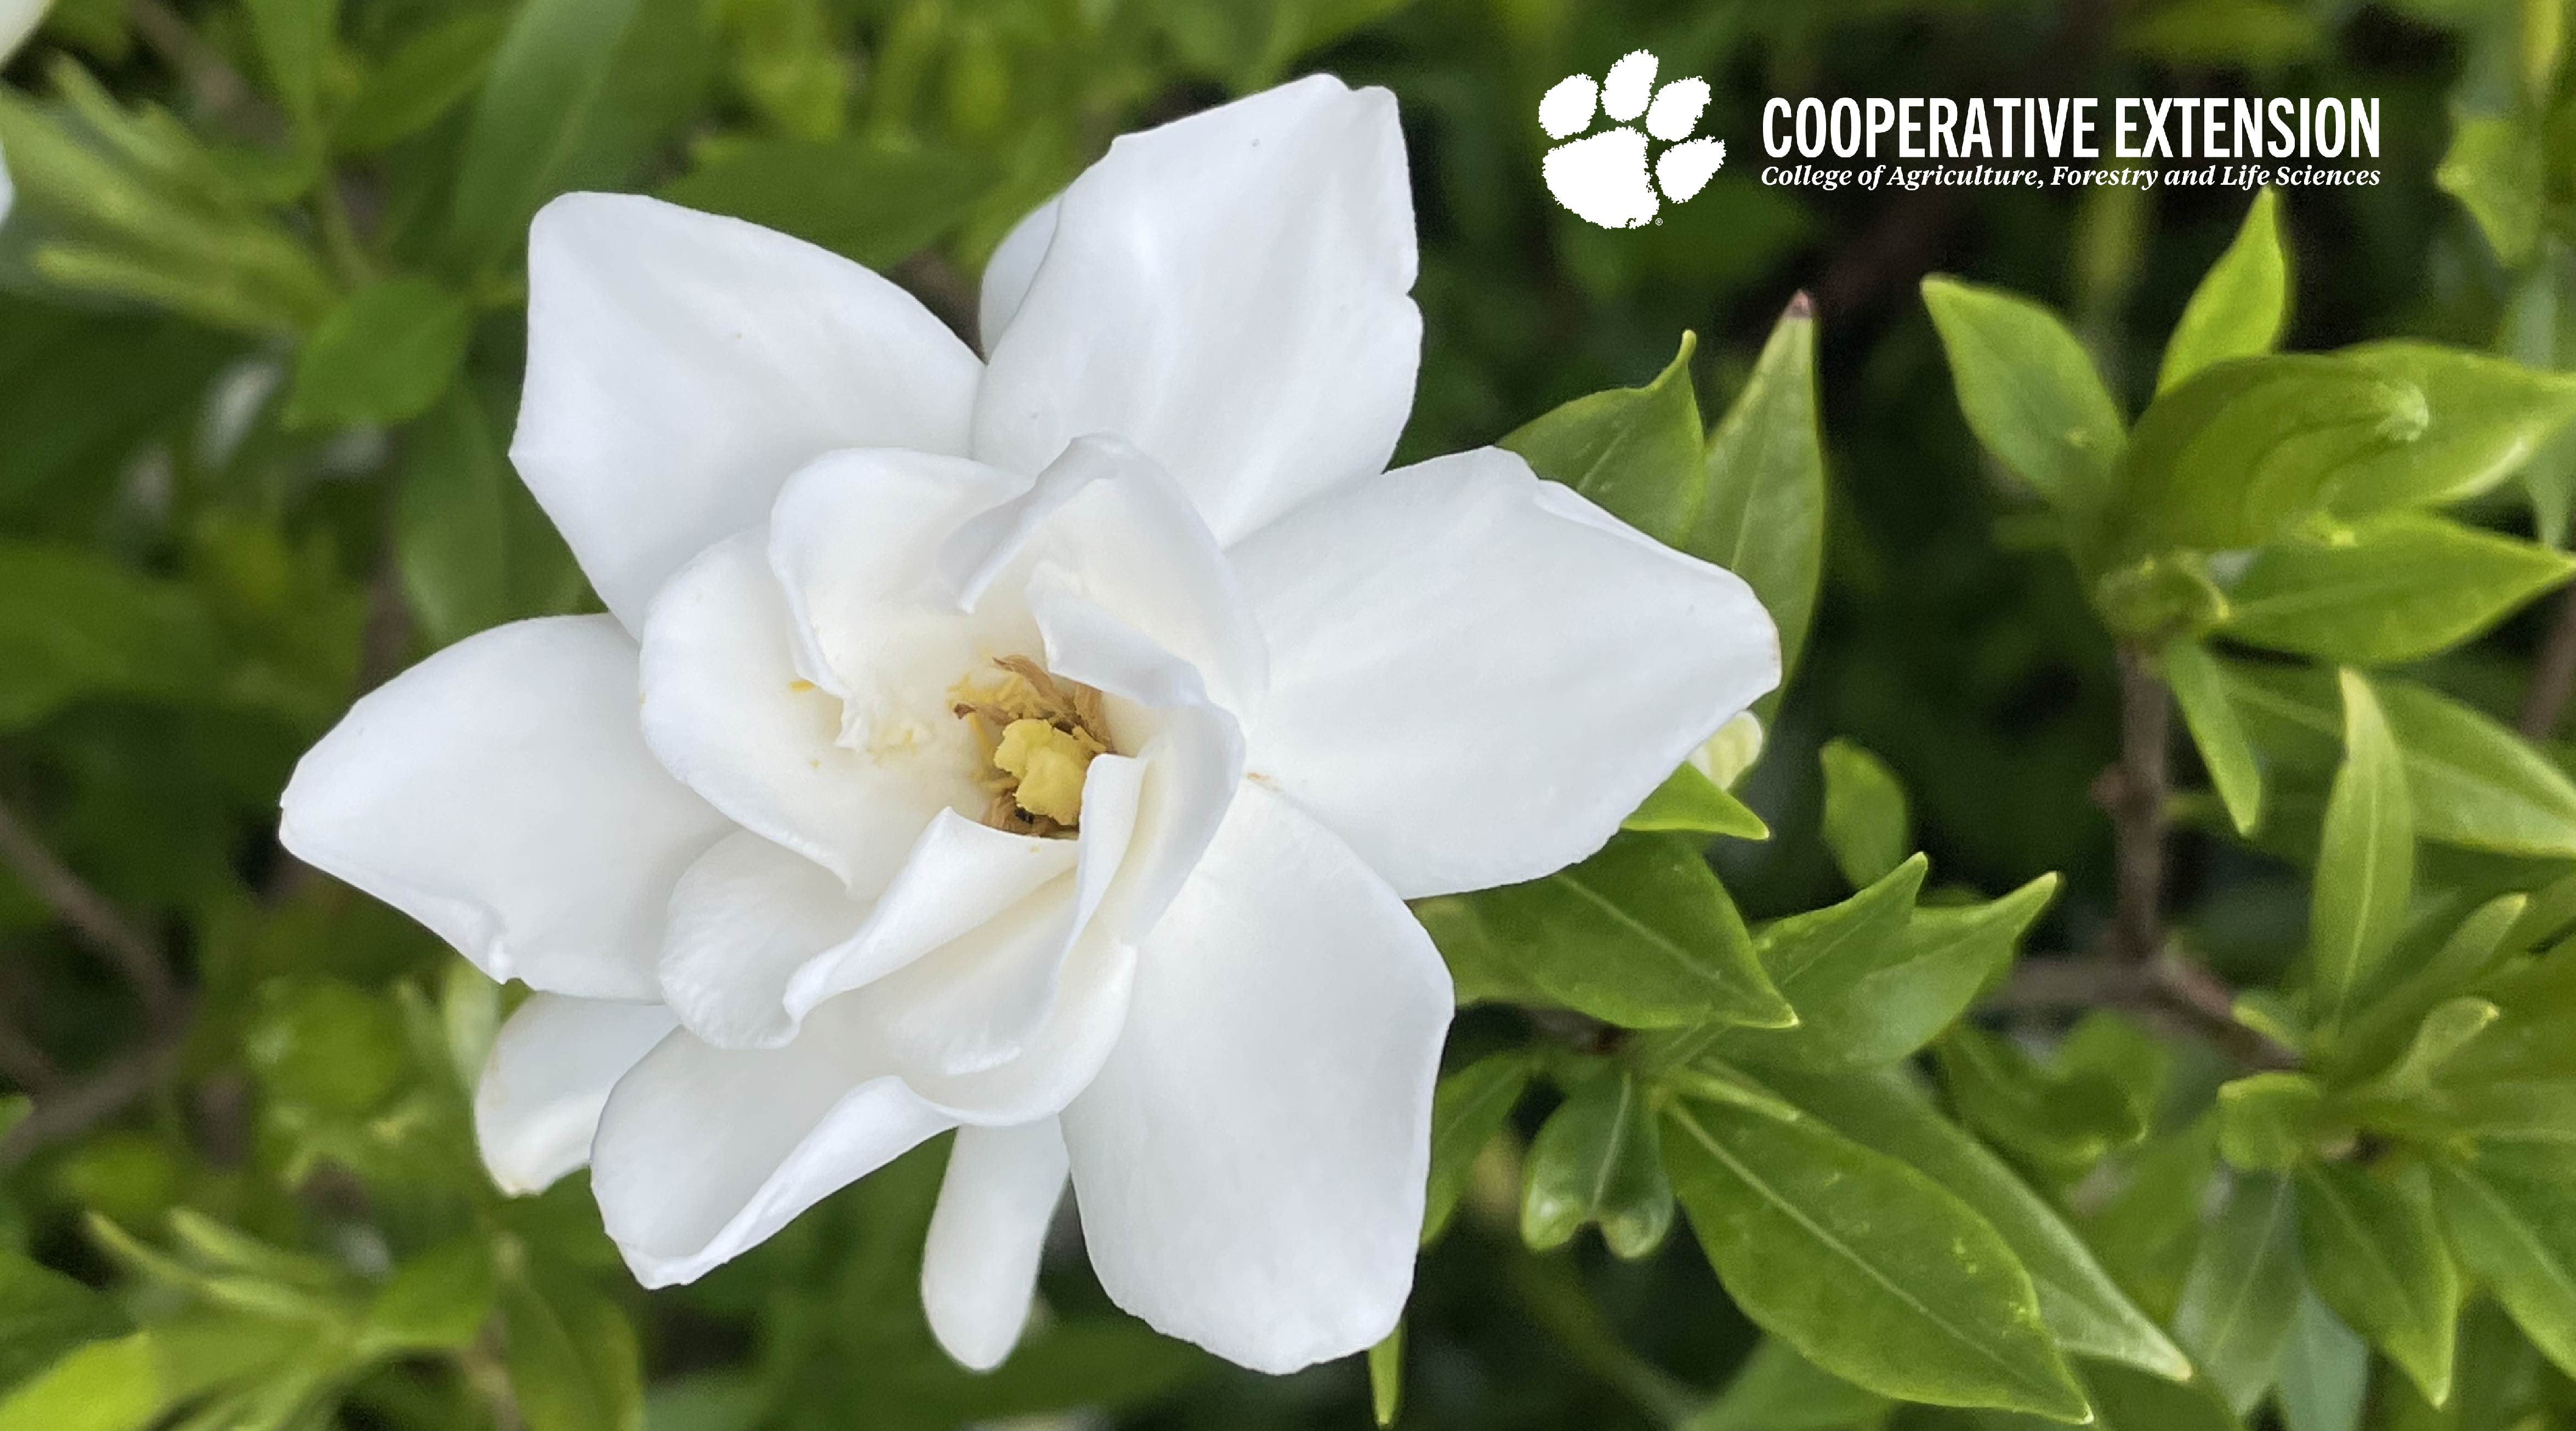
(1049, 764)
(1039, 732)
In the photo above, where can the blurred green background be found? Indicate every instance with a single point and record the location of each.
(230, 499)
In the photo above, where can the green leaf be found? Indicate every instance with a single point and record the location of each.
(2397, 588)
(2516, 1234)
(294, 45)
(2495, 168)
(452, 521)
(1467, 1110)
(103, 1386)
(1778, 1390)
(420, 82)
(1869, 1268)
(1874, 978)
(2242, 303)
(1636, 451)
(1595, 1161)
(2325, 1372)
(1386, 1376)
(45, 1315)
(2236, 454)
(2485, 417)
(2469, 781)
(437, 1301)
(2200, 689)
(2060, 1122)
(2269, 1122)
(2447, 1028)
(2365, 861)
(2128, 1400)
(572, 1357)
(75, 625)
(1761, 513)
(2146, 1230)
(862, 198)
(2030, 393)
(1688, 802)
(1641, 935)
(1866, 823)
(383, 356)
(2375, 1255)
(529, 120)
(2243, 1289)
(2085, 1310)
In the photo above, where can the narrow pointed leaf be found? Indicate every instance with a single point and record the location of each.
(2394, 589)
(2030, 393)
(1467, 1110)
(1636, 451)
(2365, 862)
(1867, 824)
(1762, 512)
(2242, 303)
(2243, 1289)
(1595, 1161)
(2376, 1256)
(2200, 689)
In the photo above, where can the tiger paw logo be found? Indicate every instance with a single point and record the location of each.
(1603, 176)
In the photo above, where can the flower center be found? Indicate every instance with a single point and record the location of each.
(1038, 733)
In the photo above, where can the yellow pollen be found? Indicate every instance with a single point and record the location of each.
(1049, 765)
(1039, 731)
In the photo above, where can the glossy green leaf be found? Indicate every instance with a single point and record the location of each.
(2375, 1255)
(74, 625)
(1641, 935)
(2469, 781)
(1688, 802)
(419, 83)
(572, 1357)
(2085, 1310)
(2516, 1234)
(867, 200)
(2325, 1372)
(2242, 303)
(1761, 513)
(2030, 393)
(103, 1386)
(2397, 588)
(1869, 1268)
(1467, 1109)
(1595, 1161)
(2236, 454)
(2200, 689)
(1866, 823)
(1875, 978)
(2270, 1122)
(2243, 1289)
(384, 355)
(2148, 1227)
(452, 521)
(2129, 1400)
(1636, 451)
(2058, 1121)
(2496, 168)
(2485, 416)
(1778, 1390)
(529, 120)
(1386, 1376)
(2366, 862)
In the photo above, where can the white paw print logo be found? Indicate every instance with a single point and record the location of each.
(1602, 177)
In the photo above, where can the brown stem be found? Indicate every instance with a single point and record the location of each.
(2168, 991)
(78, 1107)
(212, 82)
(99, 923)
(2553, 673)
(2133, 793)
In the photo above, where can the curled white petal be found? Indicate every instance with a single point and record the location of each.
(538, 1101)
(980, 1266)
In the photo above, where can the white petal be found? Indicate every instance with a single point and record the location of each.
(743, 920)
(18, 20)
(980, 1267)
(855, 543)
(681, 365)
(1476, 675)
(1250, 1160)
(705, 1152)
(1103, 522)
(548, 1077)
(727, 710)
(1057, 1060)
(975, 1002)
(500, 793)
(1227, 292)
(1009, 271)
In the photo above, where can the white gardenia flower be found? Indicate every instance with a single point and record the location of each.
(1040, 747)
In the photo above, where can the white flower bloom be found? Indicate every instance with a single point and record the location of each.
(1231, 693)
